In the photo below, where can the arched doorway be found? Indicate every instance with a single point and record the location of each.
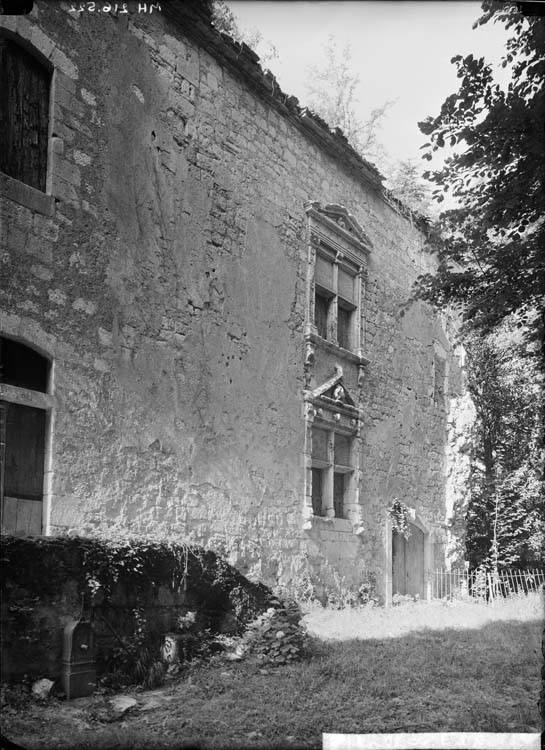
(408, 563)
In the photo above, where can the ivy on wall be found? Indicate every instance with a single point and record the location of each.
(400, 515)
(135, 589)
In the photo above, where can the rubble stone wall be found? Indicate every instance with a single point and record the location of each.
(166, 280)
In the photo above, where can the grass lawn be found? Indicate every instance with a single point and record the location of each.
(412, 668)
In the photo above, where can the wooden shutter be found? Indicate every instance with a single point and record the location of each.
(24, 115)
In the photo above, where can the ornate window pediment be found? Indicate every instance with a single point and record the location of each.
(334, 392)
(333, 226)
(344, 220)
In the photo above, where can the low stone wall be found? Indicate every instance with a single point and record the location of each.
(49, 581)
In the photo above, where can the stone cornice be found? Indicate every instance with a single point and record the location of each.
(329, 346)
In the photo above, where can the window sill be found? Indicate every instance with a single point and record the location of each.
(336, 349)
(26, 195)
(332, 524)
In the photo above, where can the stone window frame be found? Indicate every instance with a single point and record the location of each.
(334, 415)
(20, 30)
(45, 401)
(335, 236)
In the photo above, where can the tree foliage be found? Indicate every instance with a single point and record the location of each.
(506, 514)
(225, 21)
(491, 244)
(491, 265)
(404, 180)
(332, 94)
(332, 87)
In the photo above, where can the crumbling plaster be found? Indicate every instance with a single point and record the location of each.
(172, 277)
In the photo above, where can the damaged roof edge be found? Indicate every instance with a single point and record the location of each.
(193, 19)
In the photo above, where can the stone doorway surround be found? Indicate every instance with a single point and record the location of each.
(417, 521)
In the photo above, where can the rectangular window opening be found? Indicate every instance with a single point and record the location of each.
(317, 492)
(344, 325)
(339, 485)
(321, 313)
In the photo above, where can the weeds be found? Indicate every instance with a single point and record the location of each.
(416, 667)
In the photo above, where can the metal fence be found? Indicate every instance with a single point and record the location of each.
(484, 584)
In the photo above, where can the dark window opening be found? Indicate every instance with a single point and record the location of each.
(321, 310)
(317, 490)
(22, 366)
(338, 494)
(344, 326)
(24, 115)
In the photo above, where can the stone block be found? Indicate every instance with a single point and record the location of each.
(42, 42)
(64, 191)
(62, 130)
(64, 64)
(41, 272)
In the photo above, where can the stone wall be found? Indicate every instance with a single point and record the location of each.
(165, 277)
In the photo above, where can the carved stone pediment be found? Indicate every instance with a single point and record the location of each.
(337, 215)
(345, 220)
(334, 393)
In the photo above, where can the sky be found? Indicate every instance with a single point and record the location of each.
(400, 50)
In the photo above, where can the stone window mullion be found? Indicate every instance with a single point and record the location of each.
(359, 331)
(332, 313)
(329, 510)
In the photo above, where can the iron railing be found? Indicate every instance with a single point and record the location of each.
(484, 584)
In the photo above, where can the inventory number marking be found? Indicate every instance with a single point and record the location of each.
(93, 7)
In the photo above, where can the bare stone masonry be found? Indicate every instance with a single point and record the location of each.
(219, 282)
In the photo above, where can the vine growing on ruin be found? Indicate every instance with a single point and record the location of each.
(400, 515)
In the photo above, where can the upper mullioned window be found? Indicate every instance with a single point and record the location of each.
(337, 263)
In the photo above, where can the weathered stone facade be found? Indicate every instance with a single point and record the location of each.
(165, 274)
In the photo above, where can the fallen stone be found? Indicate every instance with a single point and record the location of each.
(122, 703)
(42, 688)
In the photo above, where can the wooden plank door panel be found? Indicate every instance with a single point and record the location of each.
(23, 473)
(398, 564)
(414, 562)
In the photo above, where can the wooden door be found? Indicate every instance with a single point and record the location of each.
(408, 563)
(23, 469)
